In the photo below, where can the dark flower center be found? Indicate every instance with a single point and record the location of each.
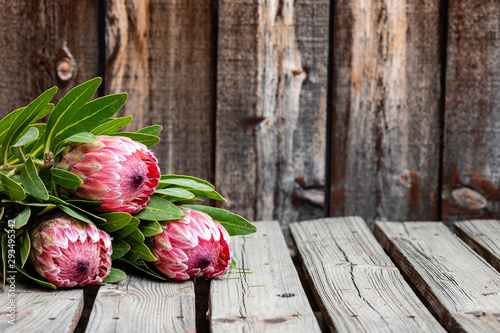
(203, 262)
(137, 180)
(82, 266)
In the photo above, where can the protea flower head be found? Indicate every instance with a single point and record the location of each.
(193, 246)
(70, 253)
(116, 170)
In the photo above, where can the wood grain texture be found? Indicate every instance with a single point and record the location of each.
(163, 54)
(357, 286)
(45, 43)
(38, 309)
(385, 109)
(264, 293)
(484, 237)
(139, 304)
(461, 288)
(271, 107)
(471, 179)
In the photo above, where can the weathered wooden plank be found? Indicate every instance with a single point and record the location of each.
(140, 304)
(162, 52)
(271, 107)
(264, 293)
(45, 43)
(471, 166)
(484, 237)
(459, 286)
(385, 109)
(357, 286)
(38, 309)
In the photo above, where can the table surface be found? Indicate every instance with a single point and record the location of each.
(402, 277)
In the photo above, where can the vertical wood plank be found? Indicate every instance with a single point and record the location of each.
(264, 293)
(38, 309)
(271, 107)
(471, 179)
(140, 304)
(385, 112)
(162, 52)
(45, 43)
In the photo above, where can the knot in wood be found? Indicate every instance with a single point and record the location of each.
(65, 69)
(469, 198)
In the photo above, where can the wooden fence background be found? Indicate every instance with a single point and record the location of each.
(385, 109)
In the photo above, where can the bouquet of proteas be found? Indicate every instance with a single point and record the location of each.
(77, 195)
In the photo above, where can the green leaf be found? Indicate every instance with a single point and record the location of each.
(30, 135)
(34, 147)
(143, 252)
(40, 282)
(159, 210)
(114, 221)
(89, 116)
(75, 214)
(174, 192)
(208, 194)
(150, 228)
(145, 139)
(85, 203)
(13, 189)
(144, 267)
(32, 182)
(82, 137)
(114, 276)
(111, 126)
(65, 178)
(23, 217)
(234, 224)
(120, 248)
(135, 238)
(67, 108)
(24, 249)
(23, 119)
(131, 256)
(151, 130)
(126, 230)
(186, 182)
(232, 265)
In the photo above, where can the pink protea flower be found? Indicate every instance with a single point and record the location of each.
(70, 253)
(193, 246)
(116, 170)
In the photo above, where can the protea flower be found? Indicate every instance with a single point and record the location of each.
(116, 170)
(70, 253)
(193, 246)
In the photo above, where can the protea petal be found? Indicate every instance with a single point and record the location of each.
(70, 253)
(118, 171)
(193, 246)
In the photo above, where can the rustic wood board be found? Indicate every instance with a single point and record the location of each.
(162, 52)
(271, 107)
(356, 284)
(140, 304)
(43, 44)
(459, 286)
(471, 177)
(484, 237)
(36, 308)
(264, 293)
(386, 109)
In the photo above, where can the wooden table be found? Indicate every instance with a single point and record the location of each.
(403, 277)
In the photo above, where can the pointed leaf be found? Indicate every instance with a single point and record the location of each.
(131, 256)
(114, 276)
(32, 182)
(111, 126)
(150, 228)
(144, 267)
(135, 238)
(126, 230)
(65, 178)
(208, 194)
(67, 107)
(23, 217)
(75, 214)
(30, 135)
(89, 116)
(120, 248)
(151, 130)
(174, 193)
(24, 249)
(234, 224)
(143, 252)
(23, 119)
(159, 210)
(114, 221)
(40, 282)
(85, 203)
(185, 182)
(145, 139)
(13, 189)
